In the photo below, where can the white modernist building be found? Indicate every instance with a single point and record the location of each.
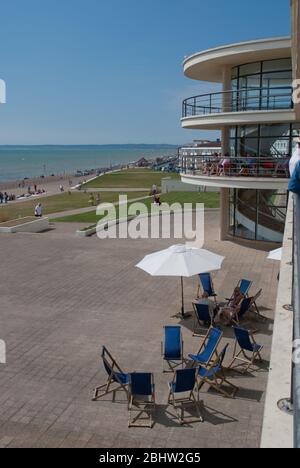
(258, 121)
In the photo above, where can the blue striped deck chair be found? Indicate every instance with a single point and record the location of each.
(215, 376)
(172, 348)
(207, 285)
(184, 382)
(247, 344)
(244, 286)
(209, 348)
(141, 400)
(116, 378)
(201, 315)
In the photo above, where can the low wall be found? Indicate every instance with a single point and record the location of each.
(175, 185)
(36, 225)
(277, 430)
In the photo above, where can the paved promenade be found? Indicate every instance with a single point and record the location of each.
(63, 297)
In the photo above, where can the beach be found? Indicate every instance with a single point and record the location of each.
(51, 185)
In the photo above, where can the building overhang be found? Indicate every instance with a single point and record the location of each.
(209, 64)
(223, 119)
(254, 183)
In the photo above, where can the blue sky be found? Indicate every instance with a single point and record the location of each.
(95, 71)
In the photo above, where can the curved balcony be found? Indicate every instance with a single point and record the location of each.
(239, 107)
(236, 172)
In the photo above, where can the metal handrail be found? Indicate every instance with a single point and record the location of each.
(210, 165)
(296, 309)
(239, 100)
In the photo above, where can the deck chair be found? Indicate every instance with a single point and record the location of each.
(208, 348)
(201, 314)
(116, 378)
(172, 347)
(244, 285)
(206, 283)
(246, 342)
(141, 400)
(184, 382)
(215, 376)
(244, 308)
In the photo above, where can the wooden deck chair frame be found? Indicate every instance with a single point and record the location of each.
(179, 403)
(113, 383)
(217, 381)
(141, 406)
(256, 355)
(255, 307)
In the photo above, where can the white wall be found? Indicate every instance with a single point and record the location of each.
(175, 185)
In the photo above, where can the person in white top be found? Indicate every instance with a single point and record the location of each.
(295, 157)
(38, 211)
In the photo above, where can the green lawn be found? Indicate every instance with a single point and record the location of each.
(210, 200)
(134, 178)
(57, 203)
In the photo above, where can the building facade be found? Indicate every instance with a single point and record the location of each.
(258, 121)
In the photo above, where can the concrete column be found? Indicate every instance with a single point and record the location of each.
(224, 213)
(226, 81)
(224, 193)
(225, 140)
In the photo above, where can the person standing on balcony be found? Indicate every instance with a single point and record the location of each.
(295, 157)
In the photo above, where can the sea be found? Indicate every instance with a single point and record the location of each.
(19, 162)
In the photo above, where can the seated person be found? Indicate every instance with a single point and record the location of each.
(230, 311)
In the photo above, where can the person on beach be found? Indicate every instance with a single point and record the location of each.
(1, 198)
(61, 188)
(5, 197)
(38, 211)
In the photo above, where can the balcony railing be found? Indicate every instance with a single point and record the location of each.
(250, 99)
(235, 167)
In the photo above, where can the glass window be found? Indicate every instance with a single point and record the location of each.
(257, 214)
(250, 69)
(247, 147)
(275, 147)
(267, 89)
(232, 132)
(248, 131)
(234, 73)
(280, 64)
(275, 130)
